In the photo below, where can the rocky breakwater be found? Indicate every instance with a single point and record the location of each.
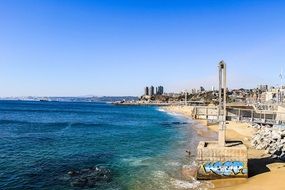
(89, 177)
(271, 139)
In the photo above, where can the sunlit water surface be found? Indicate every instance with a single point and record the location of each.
(144, 147)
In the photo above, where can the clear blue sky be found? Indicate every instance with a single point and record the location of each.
(104, 47)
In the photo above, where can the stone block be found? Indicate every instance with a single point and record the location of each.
(216, 162)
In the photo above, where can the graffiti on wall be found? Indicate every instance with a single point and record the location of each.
(225, 168)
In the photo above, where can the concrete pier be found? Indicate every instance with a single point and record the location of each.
(222, 159)
(219, 162)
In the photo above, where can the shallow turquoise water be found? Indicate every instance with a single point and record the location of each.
(143, 147)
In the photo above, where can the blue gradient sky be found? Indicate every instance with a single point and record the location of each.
(104, 47)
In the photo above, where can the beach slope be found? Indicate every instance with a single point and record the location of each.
(265, 173)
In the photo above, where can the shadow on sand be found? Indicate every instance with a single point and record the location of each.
(258, 166)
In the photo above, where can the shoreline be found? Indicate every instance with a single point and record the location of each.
(264, 173)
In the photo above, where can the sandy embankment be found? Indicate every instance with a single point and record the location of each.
(264, 173)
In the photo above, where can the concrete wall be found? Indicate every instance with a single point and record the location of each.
(216, 162)
(280, 113)
(237, 114)
(206, 112)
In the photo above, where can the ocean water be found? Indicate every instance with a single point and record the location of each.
(142, 146)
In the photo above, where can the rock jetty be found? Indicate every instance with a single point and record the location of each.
(271, 139)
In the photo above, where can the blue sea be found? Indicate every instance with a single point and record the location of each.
(143, 147)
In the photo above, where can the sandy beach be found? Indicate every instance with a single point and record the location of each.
(264, 172)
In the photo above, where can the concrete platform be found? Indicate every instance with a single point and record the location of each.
(217, 162)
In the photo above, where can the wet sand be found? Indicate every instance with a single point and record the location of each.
(264, 172)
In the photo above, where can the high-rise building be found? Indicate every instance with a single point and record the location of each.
(151, 91)
(159, 90)
(263, 87)
(194, 91)
(146, 90)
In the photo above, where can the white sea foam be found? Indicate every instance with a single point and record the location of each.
(173, 163)
(168, 112)
(160, 174)
(174, 114)
(162, 179)
(142, 161)
(181, 184)
(161, 110)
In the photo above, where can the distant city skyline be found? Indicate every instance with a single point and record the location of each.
(116, 48)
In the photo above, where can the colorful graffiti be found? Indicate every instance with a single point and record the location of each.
(225, 168)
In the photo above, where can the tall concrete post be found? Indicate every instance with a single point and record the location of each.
(185, 97)
(215, 159)
(222, 103)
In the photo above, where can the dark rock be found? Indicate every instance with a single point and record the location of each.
(85, 170)
(79, 182)
(89, 177)
(72, 173)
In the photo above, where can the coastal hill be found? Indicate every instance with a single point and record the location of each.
(74, 99)
(207, 97)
